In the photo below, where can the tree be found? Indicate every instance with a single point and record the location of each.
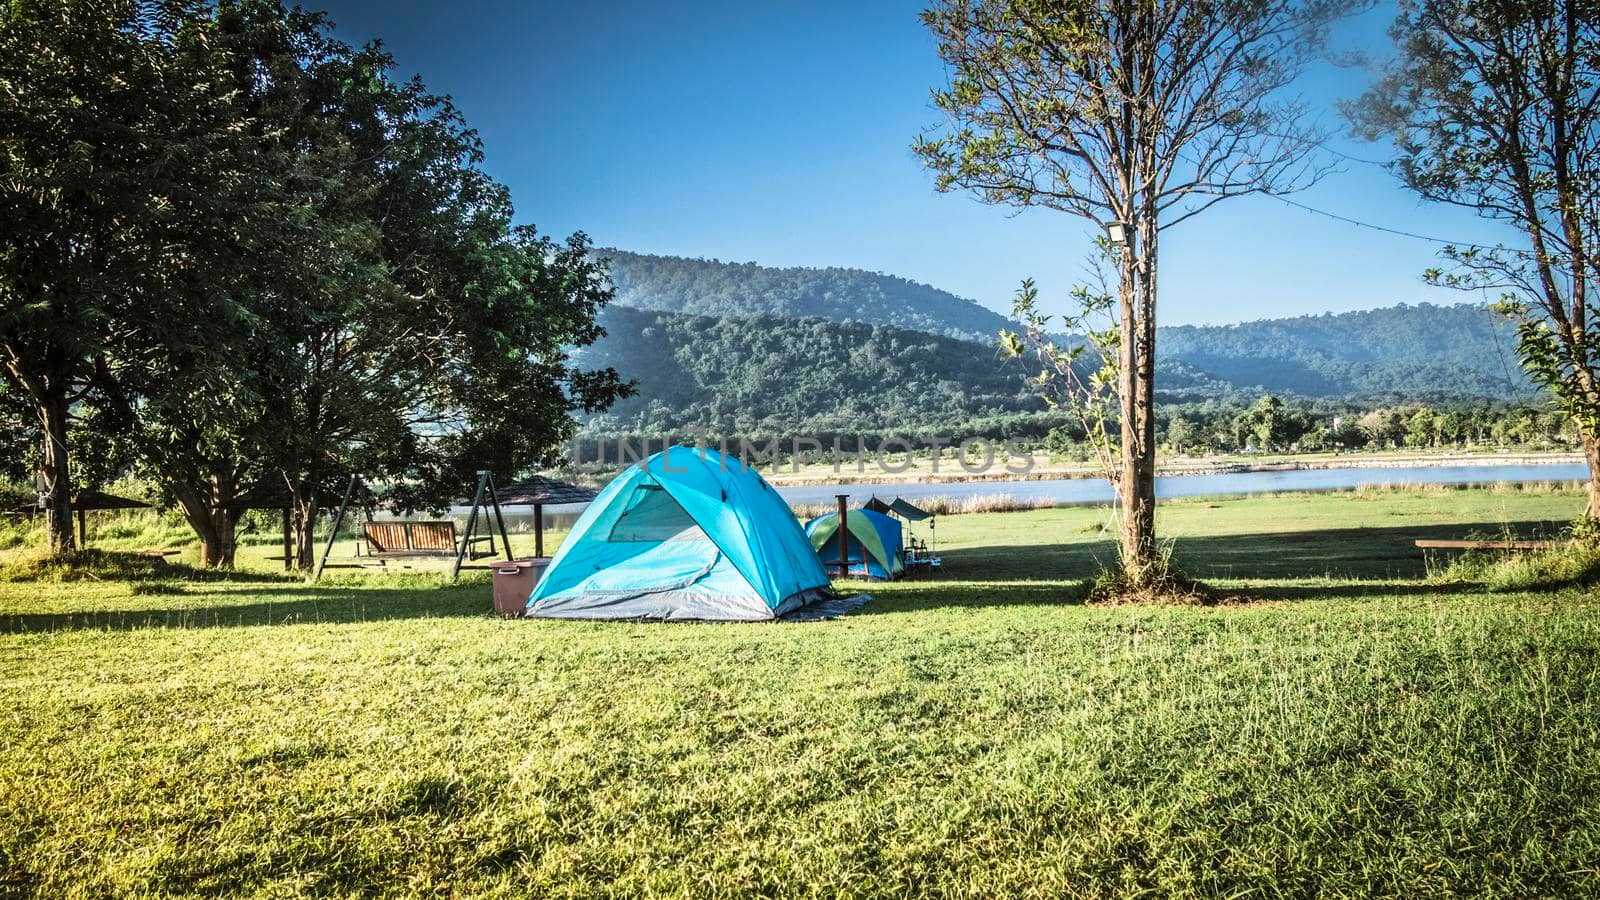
(269, 265)
(120, 197)
(1493, 106)
(407, 331)
(1185, 434)
(1270, 425)
(1348, 435)
(1422, 429)
(1143, 113)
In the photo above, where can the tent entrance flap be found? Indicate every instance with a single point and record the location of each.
(653, 516)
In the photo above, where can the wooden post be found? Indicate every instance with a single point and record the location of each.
(472, 523)
(844, 536)
(334, 533)
(499, 520)
(83, 529)
(288, 540)
(538, 530)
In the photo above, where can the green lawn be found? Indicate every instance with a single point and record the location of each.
(979, 733)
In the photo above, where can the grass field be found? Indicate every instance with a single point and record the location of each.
(1363, 730)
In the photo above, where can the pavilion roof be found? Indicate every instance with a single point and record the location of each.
(542, 491)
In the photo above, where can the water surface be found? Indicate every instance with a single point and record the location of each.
(1094, 490)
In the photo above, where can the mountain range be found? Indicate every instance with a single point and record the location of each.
(743, 347)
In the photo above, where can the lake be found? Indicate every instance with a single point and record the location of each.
(1094, 490)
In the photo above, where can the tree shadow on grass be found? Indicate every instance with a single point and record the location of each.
(1340, 563)
(296, 604)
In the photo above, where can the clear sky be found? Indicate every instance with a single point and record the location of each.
(780, 132)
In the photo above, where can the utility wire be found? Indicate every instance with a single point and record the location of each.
(1469, 245)
(1359, 159)
(1385, 229)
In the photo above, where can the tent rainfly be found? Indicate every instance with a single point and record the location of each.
(686, 534)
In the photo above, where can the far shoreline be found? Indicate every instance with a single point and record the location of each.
(919, 474)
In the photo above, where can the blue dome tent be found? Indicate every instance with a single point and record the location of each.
(686, 534)
(875, 544)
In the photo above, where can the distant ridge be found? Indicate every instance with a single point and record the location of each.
(708, 287)
(742, 346)
(1410, 351)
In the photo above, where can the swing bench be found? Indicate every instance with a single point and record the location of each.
(401, 539)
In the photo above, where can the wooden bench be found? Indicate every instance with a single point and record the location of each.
(404, 540)
(1488, 545)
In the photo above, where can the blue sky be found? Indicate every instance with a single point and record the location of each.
(779, 133)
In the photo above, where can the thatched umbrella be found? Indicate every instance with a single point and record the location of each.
(85, 500)
(539, 492)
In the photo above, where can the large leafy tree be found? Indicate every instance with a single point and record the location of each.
(262, 263)
(1143, 113)
(122, 199)
(403, 329)
(1494, 105)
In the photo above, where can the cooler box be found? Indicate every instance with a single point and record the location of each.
(513, 582)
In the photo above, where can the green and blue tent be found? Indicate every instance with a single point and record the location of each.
(874, 542)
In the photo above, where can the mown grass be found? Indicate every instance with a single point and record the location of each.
(1360, 731)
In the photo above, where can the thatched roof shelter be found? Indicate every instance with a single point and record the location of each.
(539, 492)
(542, 491)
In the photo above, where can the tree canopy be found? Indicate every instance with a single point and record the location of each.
(1494, 105)
(271, 264)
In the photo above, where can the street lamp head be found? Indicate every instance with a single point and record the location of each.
(1117, 232)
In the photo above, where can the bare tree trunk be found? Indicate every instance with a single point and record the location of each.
(205, 506)
(196, 509)
(305, 523)
(1144, 393)
(1591, 455)
(1137, 478)
(57, 472)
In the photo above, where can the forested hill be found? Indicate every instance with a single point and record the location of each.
(770, 375)
(744, 348)
(795, 376)
(1421, 350)
(711, 288)
(1407, 351)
